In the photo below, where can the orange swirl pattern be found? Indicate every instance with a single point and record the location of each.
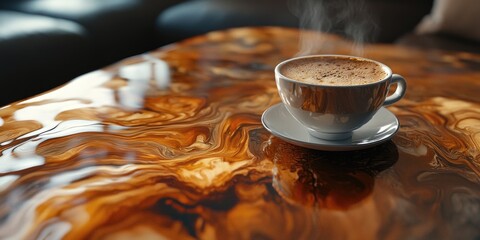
(169, 144)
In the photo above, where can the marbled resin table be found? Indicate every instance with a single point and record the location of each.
(170, 145)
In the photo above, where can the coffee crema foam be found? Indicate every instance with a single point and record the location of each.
(337, 71)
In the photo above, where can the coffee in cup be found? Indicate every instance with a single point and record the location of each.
(334, 71)
(332, 95)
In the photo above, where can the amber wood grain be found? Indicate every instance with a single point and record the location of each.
(169, 144)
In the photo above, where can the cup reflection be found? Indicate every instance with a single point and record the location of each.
(331, 180)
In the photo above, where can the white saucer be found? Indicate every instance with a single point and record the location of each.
(278, 121)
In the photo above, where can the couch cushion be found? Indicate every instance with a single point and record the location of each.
(197, 17)
(112, 24)
(38, 53)
(455, 17)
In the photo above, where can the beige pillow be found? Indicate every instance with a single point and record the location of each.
(457, 17)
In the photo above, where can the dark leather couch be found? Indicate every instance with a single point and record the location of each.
(394, 20)
(391, 18)
(45, 43)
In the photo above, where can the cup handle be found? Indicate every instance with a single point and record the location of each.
(399, 92)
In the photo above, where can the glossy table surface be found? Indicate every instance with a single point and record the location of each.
(169, 144)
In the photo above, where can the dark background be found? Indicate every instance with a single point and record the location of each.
(45, 43)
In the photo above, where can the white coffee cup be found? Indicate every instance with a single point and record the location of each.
(333, 112)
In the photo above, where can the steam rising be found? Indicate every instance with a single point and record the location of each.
(349, 18)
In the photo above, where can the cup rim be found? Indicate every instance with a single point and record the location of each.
(384, 67)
